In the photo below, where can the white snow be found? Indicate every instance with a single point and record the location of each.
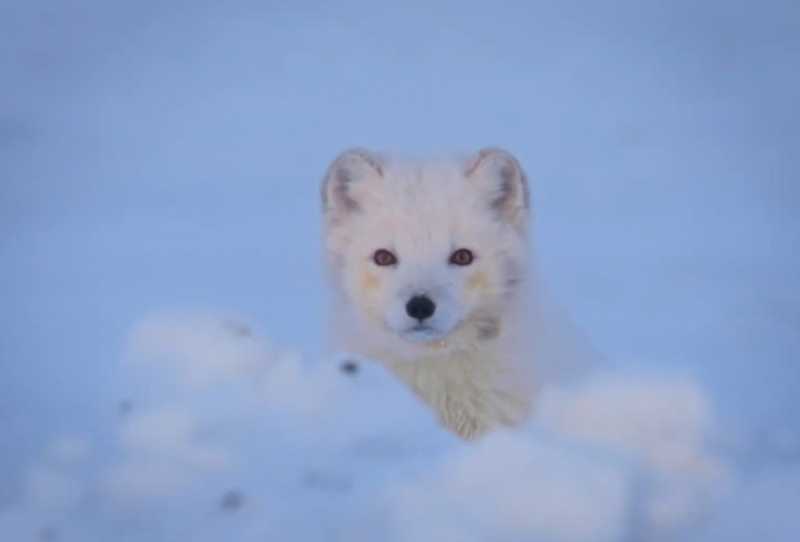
(613, 456)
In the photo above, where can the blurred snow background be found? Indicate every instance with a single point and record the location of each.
(159, 167)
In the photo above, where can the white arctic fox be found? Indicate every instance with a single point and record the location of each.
(430, 258)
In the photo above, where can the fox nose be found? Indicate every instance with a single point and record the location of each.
(420, 307)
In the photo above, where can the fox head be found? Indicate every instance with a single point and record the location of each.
(427, 254)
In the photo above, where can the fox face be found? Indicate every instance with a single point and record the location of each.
(427, 254)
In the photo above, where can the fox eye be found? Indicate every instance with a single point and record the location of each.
(383, 257)
(462, 256)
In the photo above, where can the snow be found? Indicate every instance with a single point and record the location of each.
(275, 436)
(164, 373)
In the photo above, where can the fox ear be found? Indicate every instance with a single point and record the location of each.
(340, 185)
(499, 175)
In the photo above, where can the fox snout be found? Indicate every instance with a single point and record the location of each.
(420, 307)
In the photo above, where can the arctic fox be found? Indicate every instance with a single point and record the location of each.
(430, 258)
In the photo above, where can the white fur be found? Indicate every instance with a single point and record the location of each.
(465, 364)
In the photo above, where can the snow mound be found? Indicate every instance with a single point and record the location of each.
(225, 435)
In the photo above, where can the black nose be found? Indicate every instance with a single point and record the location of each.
(420, 307)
